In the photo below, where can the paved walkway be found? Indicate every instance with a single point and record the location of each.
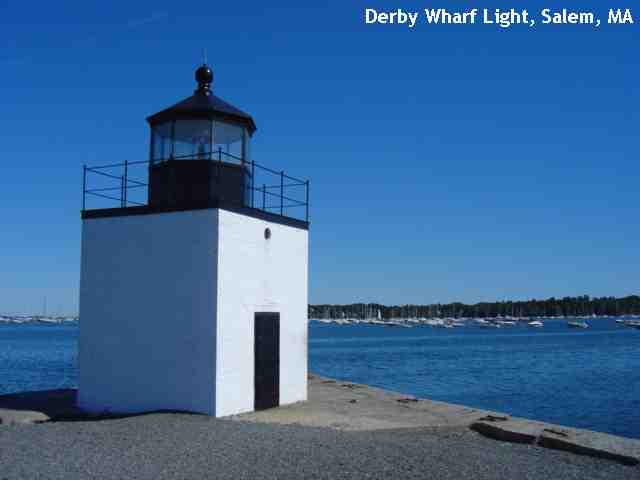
(353, 407)
(348, 407)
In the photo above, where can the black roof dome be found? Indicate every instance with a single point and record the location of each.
(204, 76)
(204, 104)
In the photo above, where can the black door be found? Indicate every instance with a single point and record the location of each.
(267, 360)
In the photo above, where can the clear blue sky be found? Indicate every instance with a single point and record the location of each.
(447, 163)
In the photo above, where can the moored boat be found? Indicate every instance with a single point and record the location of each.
(490, 325)
(577, 324)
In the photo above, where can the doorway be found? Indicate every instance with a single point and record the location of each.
(267, 360)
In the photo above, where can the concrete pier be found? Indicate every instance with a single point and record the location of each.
(353, 407)
(345, 430)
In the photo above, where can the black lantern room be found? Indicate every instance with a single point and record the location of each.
(199, 152)
(198, 159)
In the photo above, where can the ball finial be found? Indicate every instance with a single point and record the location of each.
(204, 77)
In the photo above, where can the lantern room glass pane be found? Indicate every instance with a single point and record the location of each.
(192, 139)
(200, 139)
(161, 142)
(228, 142)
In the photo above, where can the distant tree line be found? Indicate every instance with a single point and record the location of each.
(551, 307)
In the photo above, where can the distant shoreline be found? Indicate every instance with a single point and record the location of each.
(630, 320)
(37, 319)
(551, 307)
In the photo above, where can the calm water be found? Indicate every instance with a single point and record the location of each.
(37, 357)
(583, 378)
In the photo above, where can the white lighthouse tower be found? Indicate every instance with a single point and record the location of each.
(193, 297)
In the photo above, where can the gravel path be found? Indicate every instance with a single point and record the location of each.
(161, 446)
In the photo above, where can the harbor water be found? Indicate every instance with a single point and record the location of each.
(585, 378)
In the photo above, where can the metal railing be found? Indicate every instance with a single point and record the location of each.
(123, 185)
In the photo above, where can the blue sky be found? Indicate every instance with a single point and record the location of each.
(447, 163)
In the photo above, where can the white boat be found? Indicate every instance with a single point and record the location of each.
(397, 324)
(536, 324)
(435, 322)
(490, 325)
(577, 324)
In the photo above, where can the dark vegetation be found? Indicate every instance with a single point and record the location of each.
(552, 307)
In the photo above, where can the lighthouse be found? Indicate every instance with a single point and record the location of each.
(193, 279)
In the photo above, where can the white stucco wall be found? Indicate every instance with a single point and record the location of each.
(167, 305)
(147, 312)
(259, 275)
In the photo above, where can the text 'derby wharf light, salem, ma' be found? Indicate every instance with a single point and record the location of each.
(193, 282)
